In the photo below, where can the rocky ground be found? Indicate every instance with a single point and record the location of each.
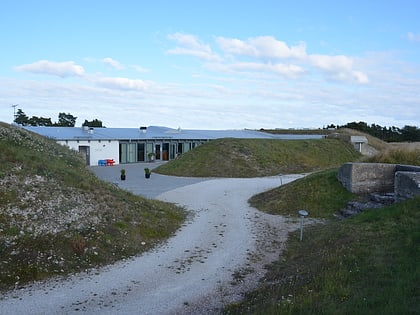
(36, 213)
(371, 201)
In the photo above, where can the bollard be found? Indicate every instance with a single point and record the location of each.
(303, 214)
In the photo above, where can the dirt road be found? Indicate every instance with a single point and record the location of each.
(216, 255)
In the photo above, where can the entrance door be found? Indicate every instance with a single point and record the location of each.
(84, 150)
(165, 151)
(157, 151)
(127, 152)
(141, 152)
(173, 151)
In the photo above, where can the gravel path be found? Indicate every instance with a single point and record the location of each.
(216, 256)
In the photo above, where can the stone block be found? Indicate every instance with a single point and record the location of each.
(366, 178)
(407, 168)
(407, 185)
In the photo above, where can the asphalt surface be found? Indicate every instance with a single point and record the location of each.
(137, 183)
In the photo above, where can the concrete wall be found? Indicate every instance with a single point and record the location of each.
(407, 168)
(365, 178)
(407, 185)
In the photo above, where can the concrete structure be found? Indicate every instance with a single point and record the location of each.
(133, 145)
(366, 178)
(359, 143)
(407, 182)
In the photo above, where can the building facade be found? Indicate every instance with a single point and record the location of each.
(144, 144)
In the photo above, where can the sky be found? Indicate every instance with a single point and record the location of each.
(212, 64)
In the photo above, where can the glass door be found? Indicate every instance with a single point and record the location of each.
(141, 152)
(131, 154)
(128, 153)
(123, 152)
(173, 151)
(157, 151)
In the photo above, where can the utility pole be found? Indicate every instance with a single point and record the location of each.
(14, 111)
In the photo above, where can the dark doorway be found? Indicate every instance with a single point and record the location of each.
(157, 151)
(140, 152)
(84, 150)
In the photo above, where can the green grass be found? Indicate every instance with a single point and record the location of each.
(320, 194)
(397, 156)
(259, 157)
(368, 264)
(57, 179)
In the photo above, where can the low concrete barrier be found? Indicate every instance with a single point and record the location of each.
(407, 168)
(407, 185)
(367, 178)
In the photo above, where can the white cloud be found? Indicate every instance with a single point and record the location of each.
(262, 47)
(245, 85)
(331, 63)
(190, 45)
(413, 37)
(288, 70)
(267, 51)
(113, 63)
(122, 83)
(338, 67)
(360, 77)
(61, 69)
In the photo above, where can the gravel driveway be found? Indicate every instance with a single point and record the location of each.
(217, 255)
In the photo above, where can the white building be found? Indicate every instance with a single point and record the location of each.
(132, 145)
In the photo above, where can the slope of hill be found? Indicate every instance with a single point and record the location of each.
(260, 157)
(56, 217)
(367, 264)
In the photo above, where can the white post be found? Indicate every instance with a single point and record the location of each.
(303, 214)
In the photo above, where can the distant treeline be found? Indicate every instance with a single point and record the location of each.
(64, 120)
(388, 134)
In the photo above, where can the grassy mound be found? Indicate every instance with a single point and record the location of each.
(320, 193)
(56, 217)
(367, 264)
(398, 155)
(259, 157)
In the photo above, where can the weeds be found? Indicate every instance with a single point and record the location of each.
(78, 244)
(56, 217)
(262, 157)
(320, 194)
(367, 264)
(398, 156)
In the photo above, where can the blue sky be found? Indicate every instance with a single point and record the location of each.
(212, 65)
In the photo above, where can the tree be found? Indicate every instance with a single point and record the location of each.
(94, 123)
(40, 121)
(66, 120)
(410, 133)
(390, 134)
(21, 118)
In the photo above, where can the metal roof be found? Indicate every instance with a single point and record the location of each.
(153, 133)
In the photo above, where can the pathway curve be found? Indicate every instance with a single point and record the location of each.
(211, 260)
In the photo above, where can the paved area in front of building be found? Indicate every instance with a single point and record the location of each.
(137, 183)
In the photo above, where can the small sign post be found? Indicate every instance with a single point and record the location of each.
(303, 214)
